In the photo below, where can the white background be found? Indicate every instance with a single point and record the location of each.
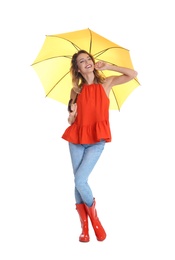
(134, 180)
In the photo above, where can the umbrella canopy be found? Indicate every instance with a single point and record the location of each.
(52, 63)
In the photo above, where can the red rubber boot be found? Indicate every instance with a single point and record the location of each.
(97, 226)
(84, 237)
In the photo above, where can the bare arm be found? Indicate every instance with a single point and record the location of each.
(127, 74)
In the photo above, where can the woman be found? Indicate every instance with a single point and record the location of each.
(89, 129)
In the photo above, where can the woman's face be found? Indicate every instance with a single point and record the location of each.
(85, 63)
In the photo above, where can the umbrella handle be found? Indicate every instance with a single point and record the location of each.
(69, 106)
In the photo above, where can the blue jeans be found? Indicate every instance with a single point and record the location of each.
(84, 157)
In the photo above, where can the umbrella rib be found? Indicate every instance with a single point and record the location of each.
(105, 50)
(55, 57)
(57, 83)
(116, 100)
(90, 45)
(137, 81)
(76, 46)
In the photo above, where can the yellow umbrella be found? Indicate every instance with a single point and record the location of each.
(52, 63)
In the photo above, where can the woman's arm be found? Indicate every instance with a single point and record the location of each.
(127, 74)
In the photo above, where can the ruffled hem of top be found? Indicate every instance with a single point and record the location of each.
(88, 134)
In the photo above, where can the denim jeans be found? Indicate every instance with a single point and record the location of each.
(84, 157)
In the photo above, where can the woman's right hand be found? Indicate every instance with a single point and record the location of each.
(74, 108)
(73, 114)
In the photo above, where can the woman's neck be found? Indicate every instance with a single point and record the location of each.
(89, 78)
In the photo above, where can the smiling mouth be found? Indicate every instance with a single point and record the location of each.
(88, 66)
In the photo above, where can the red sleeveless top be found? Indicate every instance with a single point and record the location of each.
(92, 121)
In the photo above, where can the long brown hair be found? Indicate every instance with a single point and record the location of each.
(77, 79)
